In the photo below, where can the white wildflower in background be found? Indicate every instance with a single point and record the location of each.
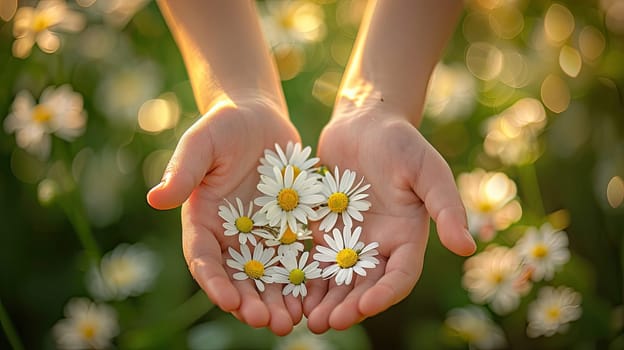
(543, 251)
(342, 198)
(289, 241)
(552, 311)
(127, 270)
(287, 199)
(295, 156)
(39, 25)
(257, 267)
(474, 326)
(241, 224)
(59, 112)
(489, 201)
(495, 276)
(292, 22)
(294, 274)
(347, 254)
(87, 326)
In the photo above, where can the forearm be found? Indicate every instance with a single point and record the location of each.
(223, 49)
(398, 45)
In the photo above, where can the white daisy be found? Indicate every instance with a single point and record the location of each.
(553, 310)
(288, 199)
(257, 267)
(543, 251)
(39, 25)
(495, 276)
(292, 22)
(87, 326)
(294, 156)
(473, 325)
(289, 240)
(348, 255)
(341, 198)
(59, 112)
(128, 270)
(295, 275)
(237, 223)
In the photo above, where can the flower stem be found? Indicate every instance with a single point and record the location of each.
(531, 190)
(77, 217)
(9, 329)
(179, 319)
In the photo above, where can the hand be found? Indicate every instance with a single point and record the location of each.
(217, 158)
(410, 182)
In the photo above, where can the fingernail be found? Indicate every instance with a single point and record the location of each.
(470, 239)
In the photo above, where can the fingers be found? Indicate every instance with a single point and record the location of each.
(435, 185)
(318, 319)
(281, 322)
(190, 162)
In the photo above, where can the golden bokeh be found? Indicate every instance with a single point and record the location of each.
(558, 23)
(591, 43)
(615, 191)
(555, 93)
(570, 61)
(159, 114)
(484, 60)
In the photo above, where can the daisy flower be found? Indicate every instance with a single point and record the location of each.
(128, 270)
(289, 240)
(237, 223)
(495, 276)
(543, 251)
(59, 112)
(288, 199)
(294, 156)
(292, 22)
(295, 275)
(87, 326)
(552, 311)
(473, 325)
(38, 25)
(489, 198)
(257, 267)
(347, 254)
(341, 198)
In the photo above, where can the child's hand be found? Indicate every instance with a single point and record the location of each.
(410, 182)
(217, 158)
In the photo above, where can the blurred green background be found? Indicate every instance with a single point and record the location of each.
(567, 163)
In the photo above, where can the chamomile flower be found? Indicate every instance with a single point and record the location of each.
(473, 325)
(289, 240)
(294, 156)
(343, 199)
(128, 270)
(347, 254)
(58, 112)
(257, 267)
(495, 276)
(237, 223)
(553, 310)
(86, 326)
(288, 199)
(543, 251)
(295, 274)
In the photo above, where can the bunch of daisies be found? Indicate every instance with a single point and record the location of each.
(272, 230)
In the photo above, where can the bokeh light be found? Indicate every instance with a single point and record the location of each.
(555, 93)
(615, 191)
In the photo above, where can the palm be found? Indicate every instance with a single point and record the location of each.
(228, 144)
(396, 160)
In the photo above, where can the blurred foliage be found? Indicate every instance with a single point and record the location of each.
(567, 55)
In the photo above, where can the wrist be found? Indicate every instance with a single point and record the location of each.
(250, 98)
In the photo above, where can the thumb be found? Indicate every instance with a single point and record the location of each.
(435, 185)
(191, 161)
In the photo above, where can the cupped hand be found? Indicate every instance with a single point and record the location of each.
(217, 159)
(410, 182)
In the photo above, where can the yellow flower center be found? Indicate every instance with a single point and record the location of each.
(338, 202)
(87, 330)
(254, 269)
(539, 251)
(288, 199)
(485, 206)
(553, 313)
(41, 114)
(496, 277)
(244, 224)
(296, 276)
(346, 258)
(296, 171)
(288, 237)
